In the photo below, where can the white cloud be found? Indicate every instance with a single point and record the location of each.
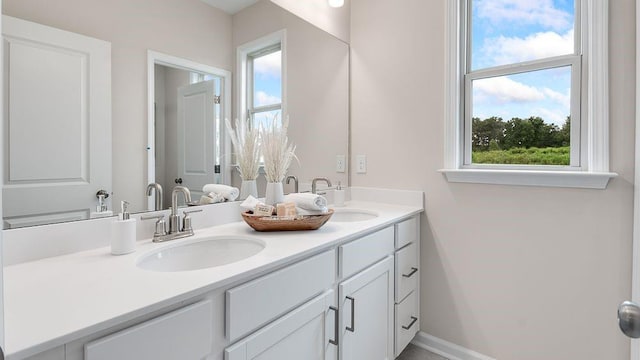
(552, 116)
(506, 98)
(503, 90)
(262, 98)
(269, 65)
(509, 50)
(560, 98)
(538, 12)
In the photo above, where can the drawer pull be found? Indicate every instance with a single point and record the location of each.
(413, 271)
(413, 321)
(352, 328)
(336, 326)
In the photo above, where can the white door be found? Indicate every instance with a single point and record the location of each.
(366, 306)
(198, 121)
(57, 123)
(308, 333)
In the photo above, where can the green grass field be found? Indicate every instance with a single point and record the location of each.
(522, 156)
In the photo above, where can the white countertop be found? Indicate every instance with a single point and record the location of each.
(53, 301)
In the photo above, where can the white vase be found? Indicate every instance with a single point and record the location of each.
(248, 187)
(275, 193)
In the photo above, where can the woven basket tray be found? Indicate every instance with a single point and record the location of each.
(273, 223)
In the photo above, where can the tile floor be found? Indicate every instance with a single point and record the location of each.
(413, 352)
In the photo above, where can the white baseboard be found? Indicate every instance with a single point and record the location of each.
(444, 348)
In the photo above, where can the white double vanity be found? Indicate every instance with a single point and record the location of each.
(349, 290)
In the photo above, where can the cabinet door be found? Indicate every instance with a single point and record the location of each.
(308, 333)
(366, 307)
(185, 334)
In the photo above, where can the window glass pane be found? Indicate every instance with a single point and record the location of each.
(522, 119)
(267, 79)
(266, 118)
(512, 31)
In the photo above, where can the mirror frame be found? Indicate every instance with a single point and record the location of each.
(158, 58)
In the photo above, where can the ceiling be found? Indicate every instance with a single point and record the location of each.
(230, 6)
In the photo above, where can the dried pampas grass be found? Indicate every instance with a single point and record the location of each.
(246, 146)
(276, 150)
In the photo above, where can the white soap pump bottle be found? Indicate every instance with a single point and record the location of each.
(123, 233)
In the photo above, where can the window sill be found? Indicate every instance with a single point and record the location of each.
(565, 179)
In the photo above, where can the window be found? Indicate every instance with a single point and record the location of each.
(262, 80)
(527, 93)
(264, 85)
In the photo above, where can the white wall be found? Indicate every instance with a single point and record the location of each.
(186, 28)
(335, 21)
(317, 88)
(511, 272)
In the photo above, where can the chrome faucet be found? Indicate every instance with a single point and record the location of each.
(176, 229)
(295, 182)
(314, 182)
(158, 194)
(174, 218)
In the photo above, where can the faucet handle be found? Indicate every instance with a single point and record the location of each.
(186, 220)
(161, 228)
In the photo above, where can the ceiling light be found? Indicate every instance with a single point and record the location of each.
(336, 3)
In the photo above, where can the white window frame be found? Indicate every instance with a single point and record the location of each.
(243, 69)
(590, 158)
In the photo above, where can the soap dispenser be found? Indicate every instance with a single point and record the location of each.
(123, 234)
(101, 209)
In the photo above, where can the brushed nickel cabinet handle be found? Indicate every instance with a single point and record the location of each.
(413, 271)
(336, 326)
(413, 321)
(352, 328)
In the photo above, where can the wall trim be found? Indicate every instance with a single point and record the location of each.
(447, 349)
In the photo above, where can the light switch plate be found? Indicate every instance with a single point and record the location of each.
(341, 165)
(361, 164)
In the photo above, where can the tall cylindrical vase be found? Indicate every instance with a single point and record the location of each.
(248, 187)
(275, 193)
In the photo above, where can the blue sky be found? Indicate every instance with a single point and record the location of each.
(268, 79)
(267, 85)
(512, 31)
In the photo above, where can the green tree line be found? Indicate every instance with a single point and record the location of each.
(495, 134)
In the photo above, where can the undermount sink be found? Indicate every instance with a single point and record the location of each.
(200, 254)
(352, 215)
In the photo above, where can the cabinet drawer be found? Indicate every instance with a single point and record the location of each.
(182, 334)
(303, 333)
(407, 321)
(363, 252)
(407, 273)
(407, 232)
(52, 354)
(251, 305)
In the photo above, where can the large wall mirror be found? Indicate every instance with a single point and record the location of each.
(185, 47)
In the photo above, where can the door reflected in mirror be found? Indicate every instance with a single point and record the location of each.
(188, 108)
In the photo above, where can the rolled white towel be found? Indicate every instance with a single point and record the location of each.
(250, 203)
(228, 192)
(307, 201)
(301, 211)
(211, 198)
